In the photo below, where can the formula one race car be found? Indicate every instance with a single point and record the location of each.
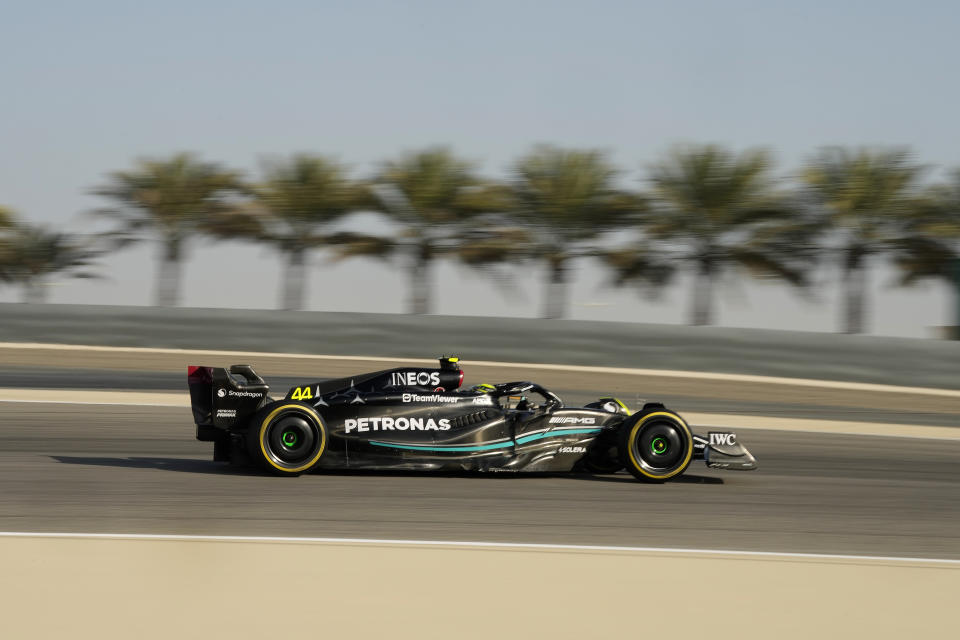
(417, 419)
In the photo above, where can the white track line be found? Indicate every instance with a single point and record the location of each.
(663, 373)
(480, 545)
(98, 404)
(96, 397)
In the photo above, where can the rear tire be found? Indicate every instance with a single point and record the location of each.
(655, 445)
(287, 438)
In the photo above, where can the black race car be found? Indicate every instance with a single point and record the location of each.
(418, 419)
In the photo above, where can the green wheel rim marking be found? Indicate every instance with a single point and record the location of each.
(658, 445)
(289, 438)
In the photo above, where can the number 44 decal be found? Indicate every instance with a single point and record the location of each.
(301, 393)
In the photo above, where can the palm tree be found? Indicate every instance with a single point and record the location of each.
(293, 209)
(35, 253)
(6, 243)
(444, 209)
(865, 196)
(568, 197)
(929, 242)
(639, 264)
(173, 199)
(711, 210)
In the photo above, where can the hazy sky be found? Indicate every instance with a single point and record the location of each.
(86, 87)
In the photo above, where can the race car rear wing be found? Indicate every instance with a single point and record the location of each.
(200, 383)
(222, 399)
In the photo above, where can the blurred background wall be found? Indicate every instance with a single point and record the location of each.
(92, 89)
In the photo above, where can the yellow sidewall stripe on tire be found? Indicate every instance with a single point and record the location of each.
(323, 437)
(633, 434)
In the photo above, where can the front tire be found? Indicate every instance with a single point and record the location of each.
(655, 445)
(287, 438)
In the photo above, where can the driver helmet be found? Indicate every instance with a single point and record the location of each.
(483, 388)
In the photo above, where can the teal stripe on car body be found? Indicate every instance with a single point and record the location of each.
(482, 447)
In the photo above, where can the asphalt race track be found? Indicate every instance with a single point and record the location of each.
(99, 468)
(138, 469)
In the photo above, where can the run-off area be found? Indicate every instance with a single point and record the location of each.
(120, 588)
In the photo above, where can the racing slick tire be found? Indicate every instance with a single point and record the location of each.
(655, 445)
(287, 438)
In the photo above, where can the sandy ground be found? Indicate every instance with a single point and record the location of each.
(109, 588)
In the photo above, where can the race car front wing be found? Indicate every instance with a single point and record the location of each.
(722, 450)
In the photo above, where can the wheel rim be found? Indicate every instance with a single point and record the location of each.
(291, 440)
(660, 446)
